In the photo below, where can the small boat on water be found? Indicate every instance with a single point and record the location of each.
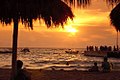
(25, 50)
(70, 51)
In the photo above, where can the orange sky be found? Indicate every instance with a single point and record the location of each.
(91, 26)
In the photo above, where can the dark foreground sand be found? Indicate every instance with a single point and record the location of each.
(64, 75)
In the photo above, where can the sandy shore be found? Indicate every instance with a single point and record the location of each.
(64, 75)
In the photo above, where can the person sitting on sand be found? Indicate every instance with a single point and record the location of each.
(106, 65)
(94, 68)
(21, 73)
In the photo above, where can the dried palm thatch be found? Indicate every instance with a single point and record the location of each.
(112, 2)
(79, 3)
(83, 3)
(115, 17)
(52, 11)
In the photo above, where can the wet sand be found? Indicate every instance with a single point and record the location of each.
(64, 75)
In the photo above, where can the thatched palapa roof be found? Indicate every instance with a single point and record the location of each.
(52, 11)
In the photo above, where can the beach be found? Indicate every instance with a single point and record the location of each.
(38, 74)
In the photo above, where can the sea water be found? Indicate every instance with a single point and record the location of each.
(55, 58)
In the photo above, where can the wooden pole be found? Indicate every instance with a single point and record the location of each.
(14, 49)
(117, 41)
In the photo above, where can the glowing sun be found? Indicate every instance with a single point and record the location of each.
(70, 29)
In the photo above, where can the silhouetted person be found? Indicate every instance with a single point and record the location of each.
(96, 48)
(87, 48)
(114, 48)
(21, 73)
(67, 63)
(105, 65)
(94, 68)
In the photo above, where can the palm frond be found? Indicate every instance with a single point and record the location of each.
(115, 17)
(52, 11)
(112, 2)
(79, 3)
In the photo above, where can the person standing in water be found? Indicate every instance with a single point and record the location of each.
(106, 65)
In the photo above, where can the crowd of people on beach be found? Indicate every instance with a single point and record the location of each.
(102, 48)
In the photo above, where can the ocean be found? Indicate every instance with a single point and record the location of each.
(55, 58)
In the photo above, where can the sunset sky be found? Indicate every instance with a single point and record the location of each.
(90, 26)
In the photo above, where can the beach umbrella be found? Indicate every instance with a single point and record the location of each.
(115, 17)
(115, 20)
(53, 12)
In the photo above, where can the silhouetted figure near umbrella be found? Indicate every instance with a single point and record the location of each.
(21, 73)
(94, 68)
